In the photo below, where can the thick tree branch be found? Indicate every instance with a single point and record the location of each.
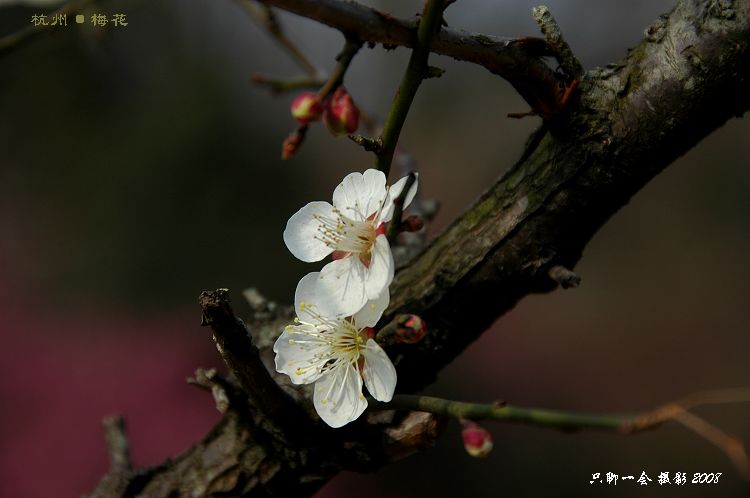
(684, 80)
(631, 121)
(243, 358)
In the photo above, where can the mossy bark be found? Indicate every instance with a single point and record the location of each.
(689, 75)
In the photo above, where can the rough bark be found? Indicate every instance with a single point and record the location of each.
(687, 77)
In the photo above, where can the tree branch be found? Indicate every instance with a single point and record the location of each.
(629, 123)
(264, 16)
(415, 73)
(242, 357)
(552, 33)
(685, 79)
(515, 59)
(553, 419)
(281, 85)
(117, 442)
(575, 421)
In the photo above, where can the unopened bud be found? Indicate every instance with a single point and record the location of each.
(341, 114)
(307, 107)
(413, 223)
(292, 142)
(410, 329)
(477, 440)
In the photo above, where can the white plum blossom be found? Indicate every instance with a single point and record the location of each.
(336, 354)
(352, 229)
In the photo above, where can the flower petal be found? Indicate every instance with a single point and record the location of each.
(305, 296)
(360, 195)
(341, 287)
(338, 396)
(387, 212)
(380, 273)
(301, 234)
(378, 372)
(371, 312)
(299, 355)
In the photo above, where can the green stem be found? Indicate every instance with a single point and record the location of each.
(554, 419)
(415, 73)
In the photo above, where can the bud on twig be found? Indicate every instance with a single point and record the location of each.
(307, 107)
(477, 440)
(410, 329)
(341, 115)
(413, 223)
(292, 142)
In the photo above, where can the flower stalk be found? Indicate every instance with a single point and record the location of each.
(554, 419)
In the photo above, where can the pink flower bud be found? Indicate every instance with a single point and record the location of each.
(293, 142)
(477, 440)
(307, 107)
(341, 114)
(412, 223)
(410, 329)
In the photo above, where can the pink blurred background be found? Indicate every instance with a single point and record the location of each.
(140, 166)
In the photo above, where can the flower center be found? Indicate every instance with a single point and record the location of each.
(342, 340)
(344, 234)
(347, 341)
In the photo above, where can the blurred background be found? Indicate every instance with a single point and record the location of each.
(140, 166)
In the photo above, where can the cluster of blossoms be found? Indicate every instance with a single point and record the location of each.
(330, 342)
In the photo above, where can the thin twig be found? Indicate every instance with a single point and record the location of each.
(343, 59)
(398, 208)
(571, 421)
(369, 144)
(729, 444)
(552, 33)
(670, 410)
(351, 47)
(555, 419)
(281, 85)
(518, 60)
(117, 444)
(264, 16)
(415, 73)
